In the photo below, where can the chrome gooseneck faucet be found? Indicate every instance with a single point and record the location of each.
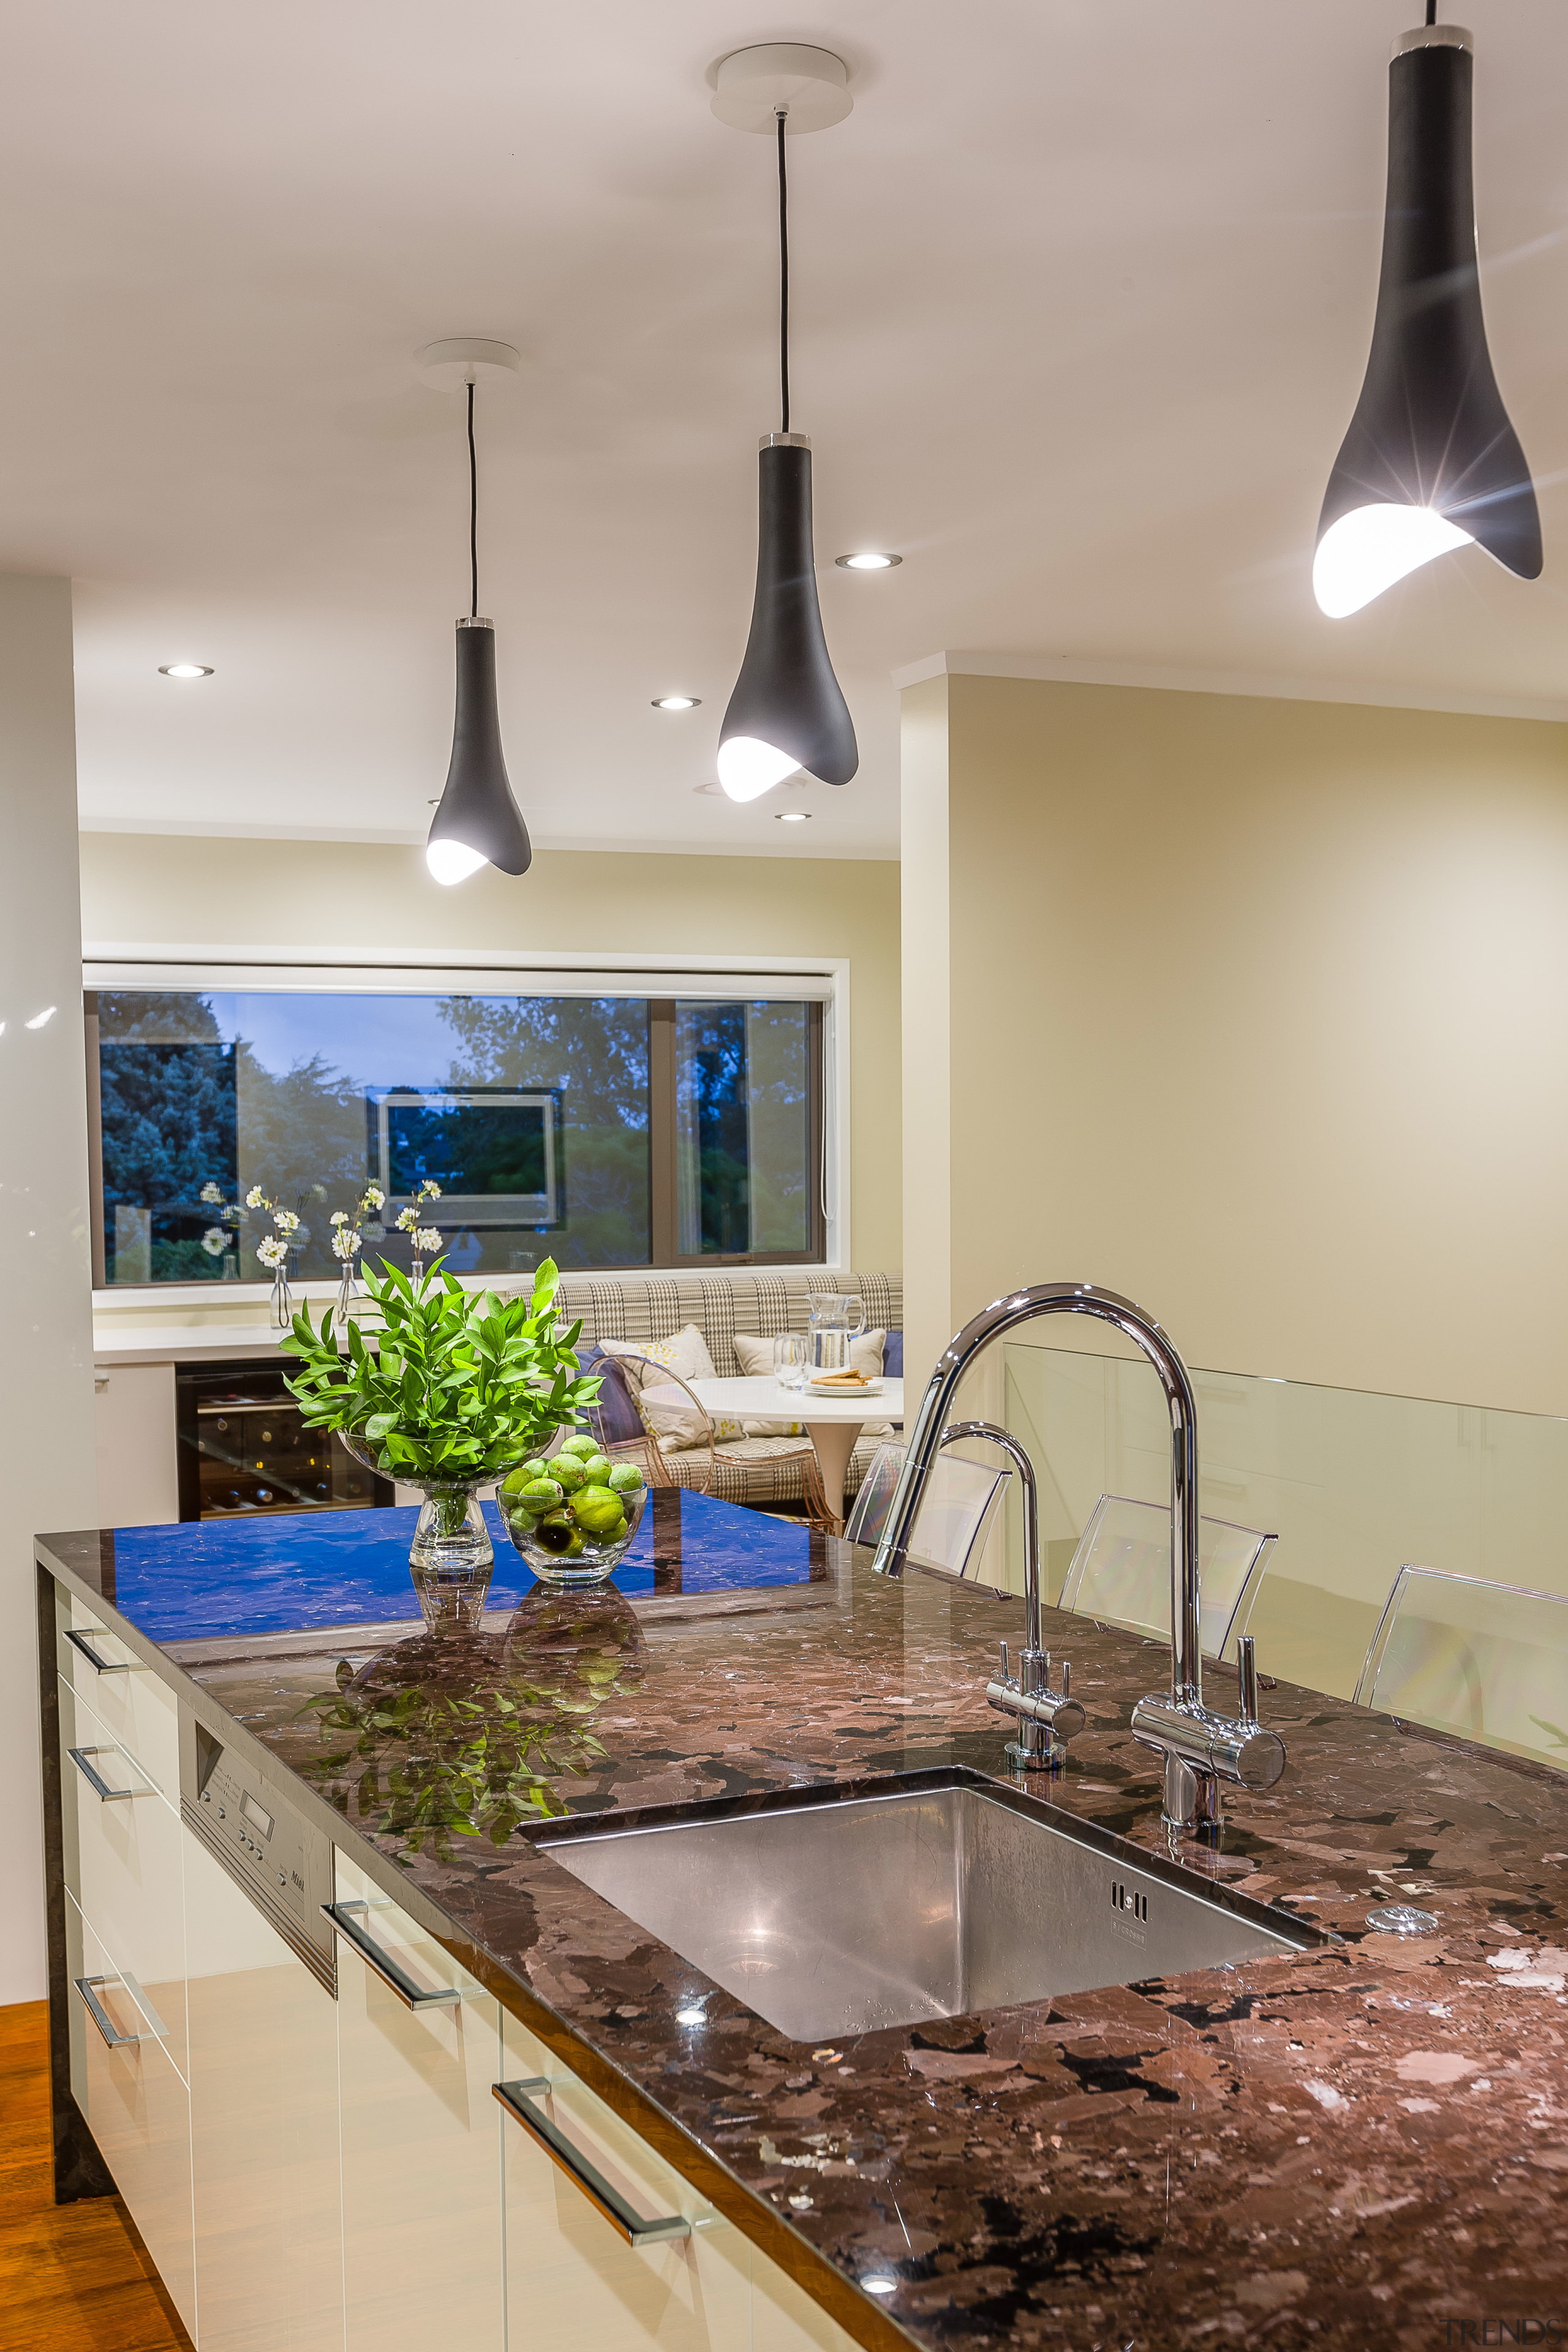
(1200, 1749)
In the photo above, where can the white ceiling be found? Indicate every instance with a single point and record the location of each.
(1081, 298)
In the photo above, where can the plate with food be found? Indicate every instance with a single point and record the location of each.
(853, 1384)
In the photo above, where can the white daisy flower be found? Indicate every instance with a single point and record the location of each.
(340, 1217)
(286, 1220)
(215, 1240)
(212, 1194)
(427, 1240)
(372, 1197)
(407, 1220)
(429, 1190)
(256, 1198)
(345, 1246)
(272, 1252)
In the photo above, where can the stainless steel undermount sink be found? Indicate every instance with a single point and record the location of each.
(839, 1914)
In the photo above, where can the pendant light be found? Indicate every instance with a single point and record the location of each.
(787, 711)
(478, 822)
(1430, 461)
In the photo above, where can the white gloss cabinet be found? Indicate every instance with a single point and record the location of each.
(575, 2283)
(421, 2141)
(124, 1863)
(264, 2128)
(137, 2108)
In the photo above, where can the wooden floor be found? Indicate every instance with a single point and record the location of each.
(72, 2277)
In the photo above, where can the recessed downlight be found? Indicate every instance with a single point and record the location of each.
(677, 701)
(792, 816)
(184, 669)
(868, 561)
(878, 2283)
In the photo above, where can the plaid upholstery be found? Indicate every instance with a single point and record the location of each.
(635, 1305)
(761, 1469)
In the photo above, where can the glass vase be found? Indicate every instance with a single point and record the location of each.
(451, 1559)
(282, 1300)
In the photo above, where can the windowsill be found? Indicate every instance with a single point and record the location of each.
(220, 1296)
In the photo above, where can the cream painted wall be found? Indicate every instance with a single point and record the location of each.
(45, 1363)
(162, 888)
(1259, 1012)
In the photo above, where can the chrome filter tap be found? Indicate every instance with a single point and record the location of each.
(1200, 1747)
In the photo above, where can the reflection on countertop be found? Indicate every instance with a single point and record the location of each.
(1361, 2142)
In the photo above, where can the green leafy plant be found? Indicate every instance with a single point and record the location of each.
(461, 1383)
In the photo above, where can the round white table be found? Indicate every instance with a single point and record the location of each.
(832, 1424)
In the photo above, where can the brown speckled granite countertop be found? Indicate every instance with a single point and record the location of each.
(1362, 2143)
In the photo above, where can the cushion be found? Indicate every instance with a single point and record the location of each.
(618, 1419)
(893, 1356)
(670, 1413)
(676, 1422)
(686, 1353)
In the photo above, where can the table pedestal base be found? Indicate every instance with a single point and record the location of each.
(833, 1441)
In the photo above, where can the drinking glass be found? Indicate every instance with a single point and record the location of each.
(790, 1352)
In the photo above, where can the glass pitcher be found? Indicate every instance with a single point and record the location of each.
(835, 1322)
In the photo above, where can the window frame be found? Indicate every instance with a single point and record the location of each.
(821, 981)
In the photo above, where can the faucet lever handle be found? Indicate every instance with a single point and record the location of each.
(1067, 1679)
(1002, 1646)
(1247, 1677)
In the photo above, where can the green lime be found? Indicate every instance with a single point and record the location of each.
(567, 1469)
(580, 1443)
(540, 1496)
(525, 1477)
(597, 1469)
(598, 1512)
(625, 1478)
(558, 1535)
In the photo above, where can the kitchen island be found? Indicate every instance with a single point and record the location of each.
(1364, 2140)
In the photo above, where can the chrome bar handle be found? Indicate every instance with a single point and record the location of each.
(518, 2099)
(95, 1779)
(100, 2017)
(99, 1665)
(397, 1979)
(1247, 1678)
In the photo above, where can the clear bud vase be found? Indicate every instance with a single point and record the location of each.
(349, 1289)
(282, 1297)
(451, 1559)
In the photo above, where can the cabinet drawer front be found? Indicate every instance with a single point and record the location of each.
(137, 2111)
(124, 1865)
(421, 2165)
(570, 2276)
(122, 1692)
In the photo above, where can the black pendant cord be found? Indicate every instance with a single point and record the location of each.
(1431, 11)
(473, 511)
(784, 281)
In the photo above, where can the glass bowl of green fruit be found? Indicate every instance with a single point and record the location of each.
(572, 1513)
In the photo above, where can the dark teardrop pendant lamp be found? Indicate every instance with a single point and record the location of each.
(1431, 461)
(787, 711)
(478, 823)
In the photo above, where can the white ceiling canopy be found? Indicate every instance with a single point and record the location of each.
(1083, 301)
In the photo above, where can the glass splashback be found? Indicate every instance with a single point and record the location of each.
(1357, 1485)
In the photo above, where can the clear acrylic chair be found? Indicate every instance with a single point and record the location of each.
(1486, 1662)
(955, 1516)
(1119, 1573)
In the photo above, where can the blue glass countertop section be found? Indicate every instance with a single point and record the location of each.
(285, 1574)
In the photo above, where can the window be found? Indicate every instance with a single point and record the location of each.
(600, 1130)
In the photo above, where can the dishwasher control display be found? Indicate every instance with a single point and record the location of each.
(255, 1815)
(283, 1864)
